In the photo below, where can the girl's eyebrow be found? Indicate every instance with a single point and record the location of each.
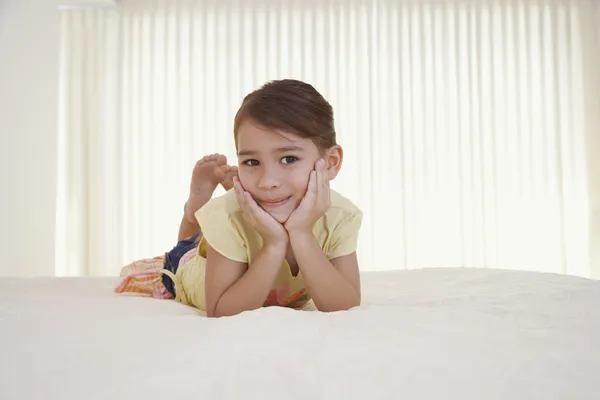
(289, 148)
(279, 150)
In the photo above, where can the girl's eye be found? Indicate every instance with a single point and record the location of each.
(251, 163)
(289, 160)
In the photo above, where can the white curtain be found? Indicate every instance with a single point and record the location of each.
(470, 128)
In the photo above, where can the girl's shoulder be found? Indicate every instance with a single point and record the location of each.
(225, 204)
(342, 214)
(341, 205)
(342, 221)
(223, 228)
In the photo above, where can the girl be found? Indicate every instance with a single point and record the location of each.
(281, 237)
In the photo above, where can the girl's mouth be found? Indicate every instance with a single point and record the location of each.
(274, 203)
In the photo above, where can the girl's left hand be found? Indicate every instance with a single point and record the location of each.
(314, 204)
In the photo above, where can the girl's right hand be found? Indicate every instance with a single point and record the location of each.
(272, 232)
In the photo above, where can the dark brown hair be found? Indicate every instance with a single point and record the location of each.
(291, 106)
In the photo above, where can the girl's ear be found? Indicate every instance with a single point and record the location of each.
(333, 160)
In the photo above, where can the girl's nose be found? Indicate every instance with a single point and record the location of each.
(268, 180)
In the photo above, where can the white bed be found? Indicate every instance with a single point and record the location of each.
(425, 334)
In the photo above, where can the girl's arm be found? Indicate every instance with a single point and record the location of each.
(334, 285)
(232, 287)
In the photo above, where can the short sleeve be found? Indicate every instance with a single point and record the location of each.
(221, 231)
(344, 237)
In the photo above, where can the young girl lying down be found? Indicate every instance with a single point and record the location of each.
(279, 236)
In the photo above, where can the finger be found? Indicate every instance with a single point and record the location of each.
(249, 199)
(259, 213)
(320, 165)
(324, 178)
(323, 199)
(241, 196)
(239, 192)
(252, 206)
(312, 183)
(238, 184)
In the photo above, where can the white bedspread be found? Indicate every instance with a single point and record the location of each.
(427, 334)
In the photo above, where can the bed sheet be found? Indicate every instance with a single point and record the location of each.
(421, 334)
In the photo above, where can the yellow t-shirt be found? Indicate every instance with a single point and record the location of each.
(225, 229)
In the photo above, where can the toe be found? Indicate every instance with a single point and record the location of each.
(220, 159)
(219, 174)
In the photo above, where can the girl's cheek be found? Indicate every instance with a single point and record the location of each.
(245, 183)
(301, 177)
(244, 179)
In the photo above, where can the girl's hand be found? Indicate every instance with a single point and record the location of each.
(314, 204)
(272, 232)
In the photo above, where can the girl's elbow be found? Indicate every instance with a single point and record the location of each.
(216, 313)
(211, 310)
(352, 304)
(342, 306)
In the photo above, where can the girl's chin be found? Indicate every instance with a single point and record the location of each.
(280, 216)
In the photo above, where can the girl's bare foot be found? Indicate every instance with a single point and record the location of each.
(231, 171)
(208, 173)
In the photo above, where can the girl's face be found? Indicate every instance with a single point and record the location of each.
(274, 166)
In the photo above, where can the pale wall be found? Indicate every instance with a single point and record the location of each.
(28, 135)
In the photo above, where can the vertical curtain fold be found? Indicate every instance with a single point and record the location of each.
(470, 128)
